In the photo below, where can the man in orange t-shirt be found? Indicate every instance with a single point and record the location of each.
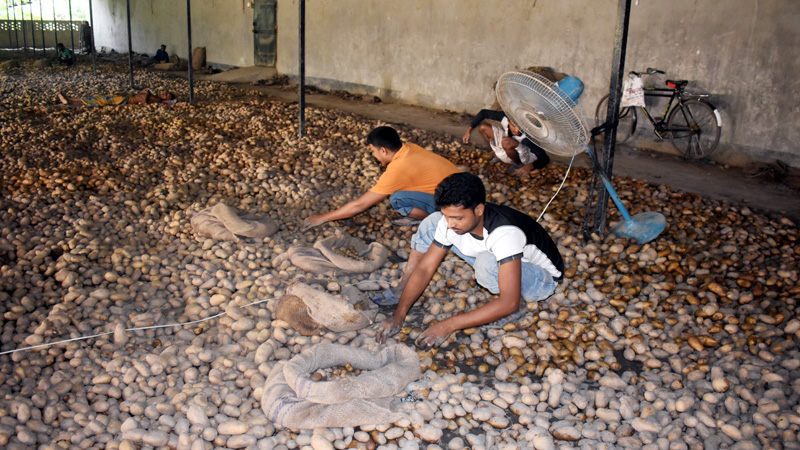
(410, 179)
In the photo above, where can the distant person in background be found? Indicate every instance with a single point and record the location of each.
(507, 142)
(161, 56)
(141, 98)
(65, 55)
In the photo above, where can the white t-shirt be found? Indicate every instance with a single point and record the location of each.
(508, 234)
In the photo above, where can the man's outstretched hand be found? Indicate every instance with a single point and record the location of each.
(434, 336)
(313, 221)
(387, 329)
(465, 138)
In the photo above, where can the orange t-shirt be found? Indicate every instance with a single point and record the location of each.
(414, 168)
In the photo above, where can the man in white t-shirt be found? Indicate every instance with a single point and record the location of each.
(513, 257)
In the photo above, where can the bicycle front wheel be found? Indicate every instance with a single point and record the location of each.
(627, 119)
(694, 127)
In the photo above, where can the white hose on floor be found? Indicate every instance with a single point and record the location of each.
(178, 324)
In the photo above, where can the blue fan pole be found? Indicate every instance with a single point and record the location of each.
(644, 227)
(609, 188)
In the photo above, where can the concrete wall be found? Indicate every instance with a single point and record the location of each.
(224, 27)
(443, 53)
(447, 53)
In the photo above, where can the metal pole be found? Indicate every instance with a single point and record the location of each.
(189, 39)
(33, 32)
(24, 36)
(16, 27)
(130, 43)
(302, 103)
(91, 28)
(615, 94)
(55, 26)
(41, 25)
(71, 31)
(8, 16)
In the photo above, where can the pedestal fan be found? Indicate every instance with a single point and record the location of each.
(546, 114)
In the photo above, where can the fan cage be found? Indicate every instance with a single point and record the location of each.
(543, 112)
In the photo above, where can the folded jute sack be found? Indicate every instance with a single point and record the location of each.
(328, 256)
(311, 311)
(225, 223)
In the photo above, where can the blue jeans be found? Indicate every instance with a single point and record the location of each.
(404, 201)
(536, 284)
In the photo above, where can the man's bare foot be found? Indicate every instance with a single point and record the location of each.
(62, 99)
(524, 170)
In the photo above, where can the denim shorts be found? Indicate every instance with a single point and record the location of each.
(536, 284)
(404, 201)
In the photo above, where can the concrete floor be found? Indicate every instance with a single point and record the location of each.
(720, 182)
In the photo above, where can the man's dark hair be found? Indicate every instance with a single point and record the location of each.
(59, 46)
(385, 137)
(460, 189)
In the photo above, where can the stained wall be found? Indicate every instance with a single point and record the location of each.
(447, 53)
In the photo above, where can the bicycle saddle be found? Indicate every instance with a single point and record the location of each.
(676, 84)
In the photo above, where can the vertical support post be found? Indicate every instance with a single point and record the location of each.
(91, 28)
(8, 15)
(189, 39)
(16, 27)
(615, 94)
(55, 25)
(33, 32)
(24, 35)
(41, 26)
(130, 44)
(302, 39)
(71, 33)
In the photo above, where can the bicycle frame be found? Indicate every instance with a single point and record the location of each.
(659, 124)
(672, 94)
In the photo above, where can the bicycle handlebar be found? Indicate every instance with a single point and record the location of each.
(650, 71)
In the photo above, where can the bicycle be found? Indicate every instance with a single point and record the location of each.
(692, 123)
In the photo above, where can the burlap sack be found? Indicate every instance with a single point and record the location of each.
(225, 223)
(350, 311)
(291, 399)
(292, 310)
(326, 257)
(165, 66)
(374, 254)
(308, 259)
(548, 72)
(10, 64)
(198, 58)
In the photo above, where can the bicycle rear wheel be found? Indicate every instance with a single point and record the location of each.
(627, 119)
(694, 127)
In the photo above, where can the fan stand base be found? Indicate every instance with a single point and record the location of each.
(644, 227)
